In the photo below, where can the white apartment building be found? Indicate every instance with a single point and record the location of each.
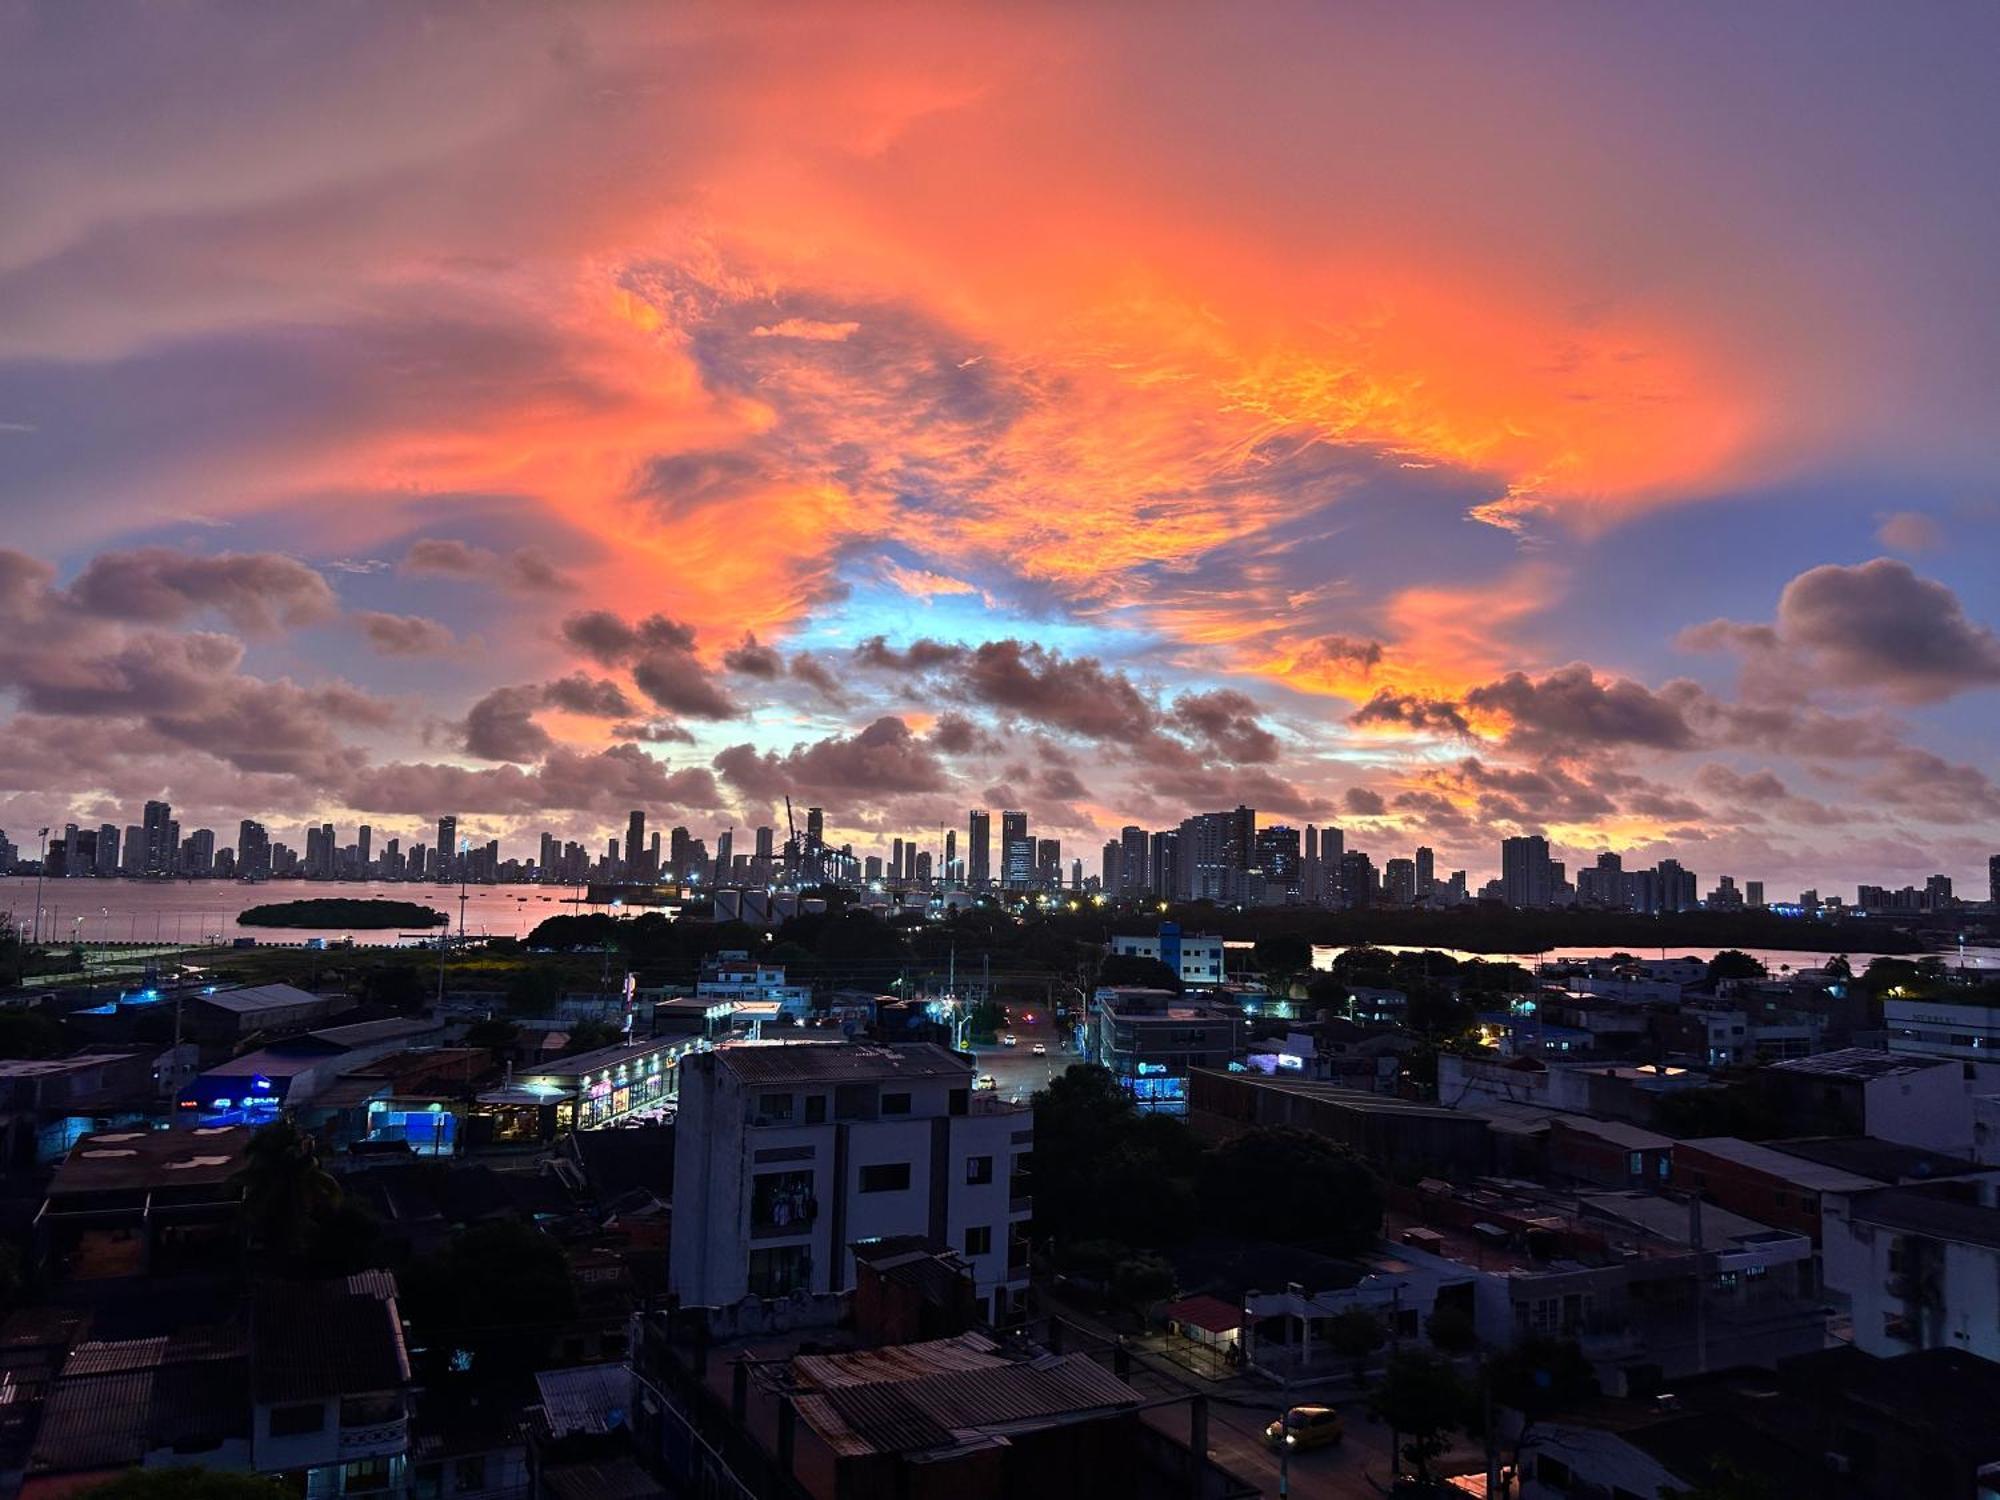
(787, 1154)
(1946, 1029)
(1196, 957)
(1921, 1265)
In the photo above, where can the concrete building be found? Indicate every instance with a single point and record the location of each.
(733, 975)
(1151, 1039)
(1921, 1267)
(330, 1387)
(786, 1154)
(1859, 1091)
(1196, 957)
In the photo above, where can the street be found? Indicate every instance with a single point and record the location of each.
(1016, 1069)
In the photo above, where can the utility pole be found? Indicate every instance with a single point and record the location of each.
(41, 871)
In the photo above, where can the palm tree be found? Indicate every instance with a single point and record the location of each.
(286, 1192)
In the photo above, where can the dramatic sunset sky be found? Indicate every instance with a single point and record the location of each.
(1443, 421)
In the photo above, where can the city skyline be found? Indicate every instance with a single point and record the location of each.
(1229, 857)
(1099, 416)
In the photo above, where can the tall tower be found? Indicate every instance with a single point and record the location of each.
(447, 847)
(979, 849)
(635, 846)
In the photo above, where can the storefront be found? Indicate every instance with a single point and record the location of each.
(633, 1082)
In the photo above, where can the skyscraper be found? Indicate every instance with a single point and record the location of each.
(979, 849)
(160, 839)
(1332, 849)
(364, 843)
(635, 846)
(1114, 860)
(1048, 864)
(107, 849)
(1426, 864)
(1134, 870)
(725, 855)
(447, 847)
(1017, 852)
(1276, 853)
(1163, 865)
(1527, 879)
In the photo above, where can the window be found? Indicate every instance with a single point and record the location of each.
(979, 1240)
(886, 1177)
(365, 1475)
(815, 1109)
(978, 1170)
(292, 1421)
(895, 1104)
(775, 1106)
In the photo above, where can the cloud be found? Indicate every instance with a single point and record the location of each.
(921, 655)
(1876, 626)
(404, 635)
(883, 761)
(1909, 531)
(1423, 715)
(1573, 708)
(808, 329)
(652, 734)
(1076, 694)
(259, 593)
(1362, 803)
(605, 782)
(752, 659)
(501, 726)
(661, 655)
(676, 680)
(1225, 722)
(590, 697)
(524, 570)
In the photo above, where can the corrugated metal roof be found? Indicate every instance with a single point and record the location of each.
(590, 1398)
(907, 1416)
(313, 1343)
(969, 1351)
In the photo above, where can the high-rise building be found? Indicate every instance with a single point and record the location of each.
(1114, 861)
(677, 853)
(815, 827)
(1426, 872)
(1277, 855)
(635, 846)
(1753, 892)
(1399, 882)
(1017, 852)
(979, 850)
(364, 844)
(447, 848)
(253, 850)
(896, 860)
(1993, 881)
(1163, 864)
(1527, 876)
(1357, 879)
(951, 872)
(160, 839)
(1135, 876)
(107, 849)
(198, 855)
(725, 855)
(133, 858)
(1048, 864)
(1332, 849)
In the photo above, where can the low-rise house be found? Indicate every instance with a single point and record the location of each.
(330, 1387)
(1921, 1267)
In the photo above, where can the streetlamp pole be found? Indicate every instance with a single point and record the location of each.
(41, 870)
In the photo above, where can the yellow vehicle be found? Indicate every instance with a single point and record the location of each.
(1305, 1427)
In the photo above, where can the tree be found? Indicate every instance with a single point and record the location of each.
(1292, 1187)
(1733, 963)
(1141, 1280)
(398, 987)
(1538, 1377)
(1282, 958)
(1451, 1330)
(1422, 1399)
(28, 1033)
(588, 1036)
(1725, 1481)
(188, 1483)
(287, 1194)
(492, 1293)
(1135, 969)
(1355, 1333)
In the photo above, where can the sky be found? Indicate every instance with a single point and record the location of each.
(1443, 422)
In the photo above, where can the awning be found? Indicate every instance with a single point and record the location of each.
(1210, 1314)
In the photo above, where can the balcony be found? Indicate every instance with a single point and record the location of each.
(375, 1440)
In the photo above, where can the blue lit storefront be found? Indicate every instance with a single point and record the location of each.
(635, 1081)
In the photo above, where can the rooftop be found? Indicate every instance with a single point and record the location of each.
(952, 1356)
(899, 1414)
(1863, 1063)
(1344, 1096)
(1928, 1212)
(367, 1033)
(839, 1062)
(255, 998)
(332, 1339)
(1775, 1162)
(587, 1399)
(1885, 1161)
(49, 1067)
(122, 1160)
(115, 1402)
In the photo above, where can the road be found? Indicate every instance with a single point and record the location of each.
(1018, 1071)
